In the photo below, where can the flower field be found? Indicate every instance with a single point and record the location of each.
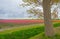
(25, 21)
(21, 21)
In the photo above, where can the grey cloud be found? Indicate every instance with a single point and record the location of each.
(10, 9)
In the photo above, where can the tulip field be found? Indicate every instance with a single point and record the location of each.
(24, 21)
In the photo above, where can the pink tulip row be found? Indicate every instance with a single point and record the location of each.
(23, 21)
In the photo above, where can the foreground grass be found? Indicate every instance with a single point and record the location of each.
(24, 32)
(42, 36)
(20, 28)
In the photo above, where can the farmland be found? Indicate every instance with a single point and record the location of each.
(23, 29)
(22, 22)
(11, 23)
(25, 21)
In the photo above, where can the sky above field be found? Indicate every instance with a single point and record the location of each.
(10, 9)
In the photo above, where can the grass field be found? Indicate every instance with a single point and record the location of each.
(26, 32)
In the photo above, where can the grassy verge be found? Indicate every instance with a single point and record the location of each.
(23, 32)
(42, 36)
(21, 28)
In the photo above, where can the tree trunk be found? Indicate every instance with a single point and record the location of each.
(49, 31)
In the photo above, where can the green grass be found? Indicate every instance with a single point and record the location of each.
(42, 36)
(24, 32)
(25, 27)
(56, 24)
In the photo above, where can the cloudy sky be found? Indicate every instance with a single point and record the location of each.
(11, 9)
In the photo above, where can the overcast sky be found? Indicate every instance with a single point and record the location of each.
(11, 9)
